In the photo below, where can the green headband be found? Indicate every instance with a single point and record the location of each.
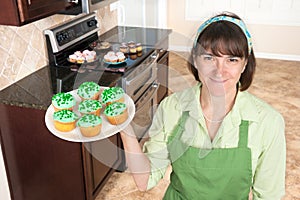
(238, 22)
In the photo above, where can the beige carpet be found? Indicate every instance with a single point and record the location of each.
(277, 82)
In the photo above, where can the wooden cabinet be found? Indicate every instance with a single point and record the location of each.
(101, 159)
(42, 166)
(19, 12)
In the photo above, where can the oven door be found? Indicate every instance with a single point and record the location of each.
(141, 77)
(145, 110)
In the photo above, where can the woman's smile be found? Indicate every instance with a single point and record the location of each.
(219, 81)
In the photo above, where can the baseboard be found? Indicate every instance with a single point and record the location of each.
(257, 54)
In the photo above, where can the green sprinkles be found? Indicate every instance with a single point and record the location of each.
(88, 106)
(112, 94)
(88, 89)
(63, 100)
(89, 120)
(114, 109)
(65, 116)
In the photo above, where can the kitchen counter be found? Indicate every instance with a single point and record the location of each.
(33, 91)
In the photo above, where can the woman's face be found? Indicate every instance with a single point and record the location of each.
(219, 74)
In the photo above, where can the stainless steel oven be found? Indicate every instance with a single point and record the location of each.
(142, 86)
(140, 78)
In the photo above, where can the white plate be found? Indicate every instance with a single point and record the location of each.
(75, 135)
(115, 63)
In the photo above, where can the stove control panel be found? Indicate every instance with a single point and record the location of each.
(76, 31)
(69, 33)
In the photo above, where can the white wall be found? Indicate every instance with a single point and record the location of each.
(4, 189)
(143, 13)
(271, 12)
(132, 13)
(273, 24)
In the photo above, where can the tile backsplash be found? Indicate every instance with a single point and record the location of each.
(23, 50)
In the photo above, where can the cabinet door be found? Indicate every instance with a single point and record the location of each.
(101, 159)
(19, 12)
(39, 165)
(35, 9)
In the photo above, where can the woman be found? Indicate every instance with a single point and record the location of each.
(221, 141)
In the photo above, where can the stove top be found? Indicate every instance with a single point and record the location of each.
(70, 75)
(78, 35)
(100, 64)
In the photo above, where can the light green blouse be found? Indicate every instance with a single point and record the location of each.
(266, 137)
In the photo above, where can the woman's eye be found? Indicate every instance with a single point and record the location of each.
(233, 60)
(208, 57)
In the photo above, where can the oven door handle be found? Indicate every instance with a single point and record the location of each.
(144, 101)
(128, 82)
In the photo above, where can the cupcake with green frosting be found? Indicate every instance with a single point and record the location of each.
(112, 94)
(90, 125)
(63, 101)
(64, 120)
(89, 90)
(116, 113)
(90, 107)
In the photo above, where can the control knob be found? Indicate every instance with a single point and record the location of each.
(60, 37)
(92, 23)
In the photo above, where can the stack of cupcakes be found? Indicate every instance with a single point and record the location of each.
(116, 110)
(112, 57)
(64, 117)
(88, 119)
(82, 57)
(131, 47)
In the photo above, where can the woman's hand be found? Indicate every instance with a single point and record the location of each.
(127, 132)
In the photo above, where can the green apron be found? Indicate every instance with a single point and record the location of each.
(224, 173)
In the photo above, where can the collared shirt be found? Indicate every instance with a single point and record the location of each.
(266, 137)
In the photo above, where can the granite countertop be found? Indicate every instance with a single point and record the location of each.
(146, 36)
(35, 90)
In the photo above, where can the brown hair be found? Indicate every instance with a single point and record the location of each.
(224, 37)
